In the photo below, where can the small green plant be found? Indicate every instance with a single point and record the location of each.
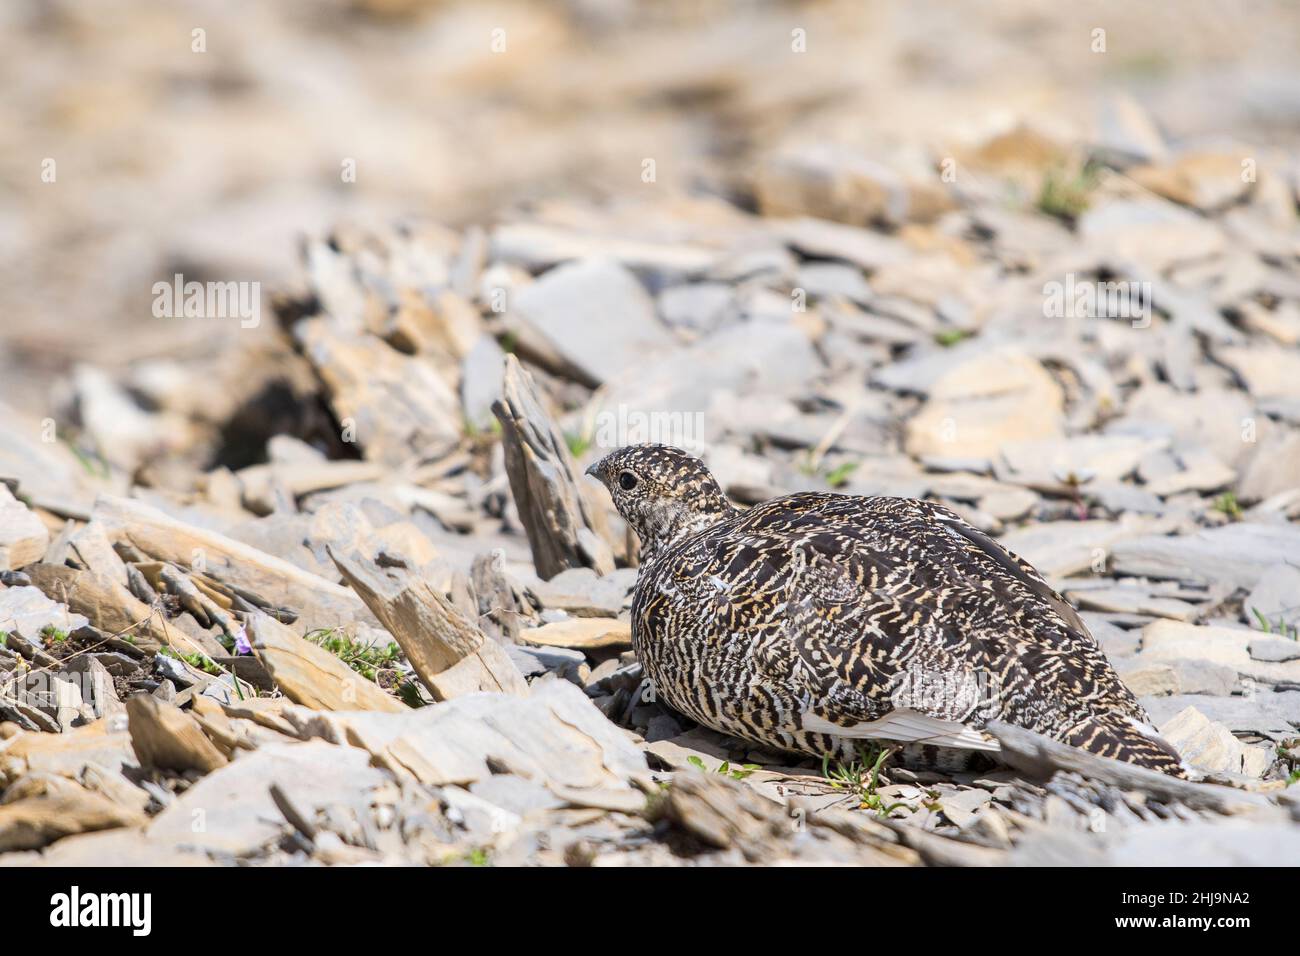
(54, 634)
(200, 662)
(950, 337)
(95, 466)
(1228, 505)
(409, 694)
(365, 659)
(1066, 194)
(4, 638)
(477, 857)
(839, 476)
(203, 663)
(725, 768)
(1279, 627)
(578, 444)
(861, 777)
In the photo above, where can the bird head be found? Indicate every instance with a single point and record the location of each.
(662, 492)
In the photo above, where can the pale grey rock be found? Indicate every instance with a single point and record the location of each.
(1133, 600)
(535, 661)
(173, 670)
(537, 246)
(1264, 713)
(1210, 419)
(1115, 641)
(480, 381)
(1238, 554)
(1275, 649)
(288, 450)
(1089, 457)
(662, 727)
(1171, 677)
(1276, 595)
(1149, 231)
(824, 280)
(515, 794)
(1124, 133)
(699, 306)
(592, 319)
(737, 359)
(1217, 843)
(230, 812)
(26, 611)
(583, 593)
(1060, 548)
(864, 248)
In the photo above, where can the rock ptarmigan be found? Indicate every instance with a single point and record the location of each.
(814, 621)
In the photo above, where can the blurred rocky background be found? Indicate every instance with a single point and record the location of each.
(1041, 265)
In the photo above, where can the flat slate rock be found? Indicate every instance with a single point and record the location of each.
(594, 316)
(1237, 554)
(1267, 711)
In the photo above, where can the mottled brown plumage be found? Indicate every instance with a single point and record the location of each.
(812, 621)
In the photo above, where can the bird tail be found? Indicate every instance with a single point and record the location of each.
(1120, 737)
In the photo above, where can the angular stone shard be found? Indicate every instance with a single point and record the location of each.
(564, 529)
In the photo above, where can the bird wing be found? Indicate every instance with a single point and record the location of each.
(903, 622)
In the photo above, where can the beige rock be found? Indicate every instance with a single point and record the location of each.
(91, 545)
(320, 603)
(23, 538)
(539, 246)
(301, 478)
(310, 675)
(165, 737)
(1151, 232)
(398, 405)
(1207, 181)
(582, 633)
(1148, 679)
(1211, 418)
(449, 652)
(35, 821)
(115, 848)
(984, 403)
(836, 183)
(1205, 744)
(1175, 640)
(103, 743)
(1268, 371)
(109, 606)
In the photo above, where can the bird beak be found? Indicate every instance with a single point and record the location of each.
(593, 471)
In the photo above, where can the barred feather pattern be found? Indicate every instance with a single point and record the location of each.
(812, 621)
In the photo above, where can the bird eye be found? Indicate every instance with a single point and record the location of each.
(627, 481)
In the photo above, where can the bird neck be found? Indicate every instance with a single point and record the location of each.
(671, 521)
